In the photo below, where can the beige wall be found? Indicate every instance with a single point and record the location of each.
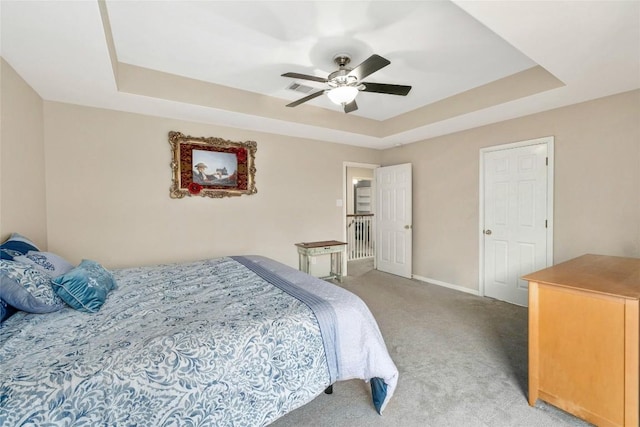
(107, 183)
(22, 165)
(108, 178)
(597, 186)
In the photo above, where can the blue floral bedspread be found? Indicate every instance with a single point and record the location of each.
(207, 343)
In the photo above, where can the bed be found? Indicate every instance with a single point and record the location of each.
(226, 341)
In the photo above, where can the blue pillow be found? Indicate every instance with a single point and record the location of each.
(27, 288)
(16, 245)
(47, 262)
(86, 287)
(5, 310)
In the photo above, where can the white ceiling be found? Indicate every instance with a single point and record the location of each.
(441, 48)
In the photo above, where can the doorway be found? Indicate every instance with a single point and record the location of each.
(389, 225)
(359, 217)
(516, 216)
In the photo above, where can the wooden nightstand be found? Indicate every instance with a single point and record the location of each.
(307, 250)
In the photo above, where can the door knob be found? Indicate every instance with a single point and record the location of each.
(407, 227)
(487, 232)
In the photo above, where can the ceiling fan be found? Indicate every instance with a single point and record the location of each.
(345, 83)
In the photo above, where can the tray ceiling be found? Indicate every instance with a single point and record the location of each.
(469, 63)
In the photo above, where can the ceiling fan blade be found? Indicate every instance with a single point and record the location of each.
(305, 77)
(305, 99)
(369, 66)
(352, 106)
(386, 88)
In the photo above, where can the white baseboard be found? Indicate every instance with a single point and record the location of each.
(446, 285)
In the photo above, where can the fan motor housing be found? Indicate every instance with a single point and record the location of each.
(341, 78)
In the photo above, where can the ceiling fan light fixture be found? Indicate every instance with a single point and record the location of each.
(343, 94)
(345, 83)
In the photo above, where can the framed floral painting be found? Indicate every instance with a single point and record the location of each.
(211, 167)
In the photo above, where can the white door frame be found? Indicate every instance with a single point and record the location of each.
(346, 165)
(549, 141)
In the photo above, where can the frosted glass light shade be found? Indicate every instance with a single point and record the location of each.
(343, 94)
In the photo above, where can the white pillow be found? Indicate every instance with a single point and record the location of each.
(46, 262)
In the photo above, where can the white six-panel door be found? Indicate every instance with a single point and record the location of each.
(394, 220)
(514, 233)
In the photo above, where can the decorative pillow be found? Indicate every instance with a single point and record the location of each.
(86, 287)
(47, 262)
(16, 245)
(27, 288)
(5, 310)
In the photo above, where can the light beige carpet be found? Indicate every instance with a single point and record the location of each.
(462, 361)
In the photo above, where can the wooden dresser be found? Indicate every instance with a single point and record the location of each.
(584, 338)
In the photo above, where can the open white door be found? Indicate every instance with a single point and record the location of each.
(517, 210)
(394, 224)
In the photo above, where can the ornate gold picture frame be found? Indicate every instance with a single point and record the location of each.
(211, 167)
